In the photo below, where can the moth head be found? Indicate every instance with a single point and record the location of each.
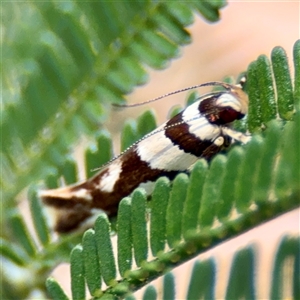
(225, 107)
(241, 97)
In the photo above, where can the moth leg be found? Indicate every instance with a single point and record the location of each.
(236, 135)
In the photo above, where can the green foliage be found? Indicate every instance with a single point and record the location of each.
(169, 287)
(104, 249)
(241, 284)
(135, 130)
(90, 256)
(139, 226)
(103, 143)
(158, 215)
(77, 273)
(124, 236)
(59, 86)
(150, 293)
(202, 281)
(55, 290)
(174, 216)
(288, 250)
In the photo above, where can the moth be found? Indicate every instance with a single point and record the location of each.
(200, 131)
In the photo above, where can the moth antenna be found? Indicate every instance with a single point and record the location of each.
(210, 83)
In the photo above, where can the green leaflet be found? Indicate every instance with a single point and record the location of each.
(285, 98)
(169, 287)
(124, 236)
(202, 281)
(193, 197)
(21, 233)
(229, 186)
(297, 73)
(159, 204)
(98, 153)
(150, 293)
(104, 249)
(138, 226)
(91, 262)
(55, 291)
(77, 271)
(211, 193)
(287, 256)
(241, 283)
(135, 130)
(38, 217)
(175, 208)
